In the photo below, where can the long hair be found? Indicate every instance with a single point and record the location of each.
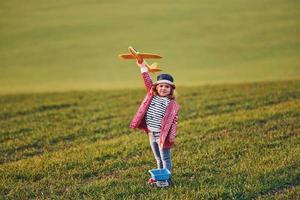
(172, 94)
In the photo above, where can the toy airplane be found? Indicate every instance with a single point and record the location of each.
(134, 54)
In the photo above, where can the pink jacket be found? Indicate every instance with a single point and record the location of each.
(169, 121)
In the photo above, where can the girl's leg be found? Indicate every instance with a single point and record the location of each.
(166, 159)
(155, 150)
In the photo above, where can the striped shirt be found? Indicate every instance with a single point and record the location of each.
(156, 112)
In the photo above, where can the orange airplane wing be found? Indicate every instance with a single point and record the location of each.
(127, 56)
(148, 55)
(142, 55)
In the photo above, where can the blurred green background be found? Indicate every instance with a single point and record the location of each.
(73, 45)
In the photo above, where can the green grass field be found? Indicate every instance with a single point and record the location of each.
(66, 99)
(73, 45)
(238, 141)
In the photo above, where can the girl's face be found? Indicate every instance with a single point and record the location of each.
(163, 89)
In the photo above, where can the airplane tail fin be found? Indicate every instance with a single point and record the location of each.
(154, 67)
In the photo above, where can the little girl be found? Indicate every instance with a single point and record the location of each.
(157, 116)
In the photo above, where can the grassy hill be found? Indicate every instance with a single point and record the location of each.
(73, 44)
(238, 141)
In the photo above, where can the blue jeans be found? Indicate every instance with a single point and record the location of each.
(162, 156)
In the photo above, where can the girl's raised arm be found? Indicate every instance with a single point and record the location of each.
(146, 76)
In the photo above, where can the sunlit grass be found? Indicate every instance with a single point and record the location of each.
(237, 141)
